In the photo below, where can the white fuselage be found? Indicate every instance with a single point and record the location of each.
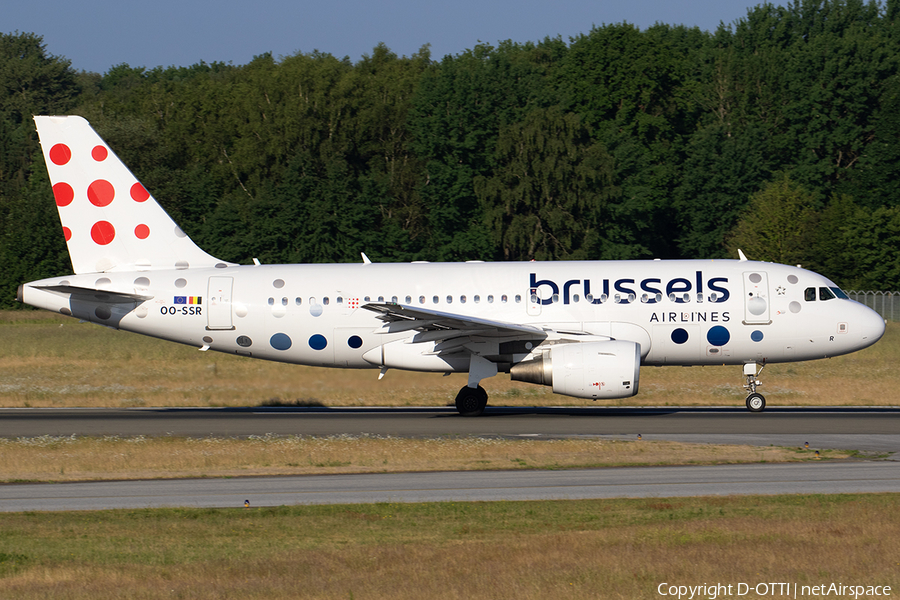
(682, 312)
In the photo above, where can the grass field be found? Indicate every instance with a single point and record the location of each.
(74, 459)
(522, 550)
(53, 361)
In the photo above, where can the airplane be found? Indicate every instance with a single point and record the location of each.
(584, 328)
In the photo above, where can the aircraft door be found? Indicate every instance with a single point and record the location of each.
(756, 298)
(534, 302)
(218, 310)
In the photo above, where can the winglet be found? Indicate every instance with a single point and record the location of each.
(365, 258)
(741, 255)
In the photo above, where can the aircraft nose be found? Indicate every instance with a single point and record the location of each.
(869, 325)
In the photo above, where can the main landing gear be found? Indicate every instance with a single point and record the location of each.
(470, 402)
(755, 402)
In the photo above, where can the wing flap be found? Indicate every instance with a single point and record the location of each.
(438, 325)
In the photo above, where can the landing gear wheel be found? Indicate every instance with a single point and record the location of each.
(756, 402)
(470, 402)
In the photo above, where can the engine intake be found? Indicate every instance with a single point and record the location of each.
(586, 370)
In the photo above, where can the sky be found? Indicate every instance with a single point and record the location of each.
(98, 34)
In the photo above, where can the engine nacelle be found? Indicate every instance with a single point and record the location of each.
(608, 369)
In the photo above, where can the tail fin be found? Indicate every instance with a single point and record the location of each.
(110, 221)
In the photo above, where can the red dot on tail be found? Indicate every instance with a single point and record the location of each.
(101, 193)
(99, 153)
(63, 193)
(103, 232)
(60, 154)
(67, 233)
(142, 232)
(139, 193)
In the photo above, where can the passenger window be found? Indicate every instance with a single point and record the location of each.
(421, 299)
(381, 298)
(409, 299)
(462, 299)
(271, 301)
(339, 300)
(810, 295)
(449, 299)
(434, 300)
(477, 298)
(490, 299)
(325, 300)
(825, 293)
(394, 299)
(519, 298)
(298, 301)
(503, 299)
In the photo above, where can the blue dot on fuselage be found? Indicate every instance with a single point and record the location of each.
(679, 336)
(355, 341)
(718, 336)
(756, 336)
(318, 342)
(280, 341)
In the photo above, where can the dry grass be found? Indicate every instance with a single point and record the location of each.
(523, 550)
(53, 361)
(72, 459)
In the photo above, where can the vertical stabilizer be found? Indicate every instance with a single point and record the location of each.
(110, 221)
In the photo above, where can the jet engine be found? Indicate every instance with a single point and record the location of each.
(609, 369)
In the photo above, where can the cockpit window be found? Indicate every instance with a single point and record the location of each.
(810, 294)
(825, 294)
(840, 293)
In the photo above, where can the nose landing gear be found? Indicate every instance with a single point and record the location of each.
(755, 402)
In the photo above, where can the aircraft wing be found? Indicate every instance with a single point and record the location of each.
(436, 325)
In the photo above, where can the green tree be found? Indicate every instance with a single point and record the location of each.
(458, 111)
(31, 83)
(549, 194)
(777, 225)
(870, 241)
(720, 172)
(633, 89)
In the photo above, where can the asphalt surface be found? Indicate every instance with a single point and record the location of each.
(872, 429)
(642, 482)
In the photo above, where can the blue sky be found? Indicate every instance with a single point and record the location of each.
(97, 34)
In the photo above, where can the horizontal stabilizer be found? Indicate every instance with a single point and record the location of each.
(95, 294)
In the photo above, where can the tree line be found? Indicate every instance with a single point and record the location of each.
(778, 134)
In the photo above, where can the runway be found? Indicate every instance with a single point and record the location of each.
(872, 429)
(869, 429)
